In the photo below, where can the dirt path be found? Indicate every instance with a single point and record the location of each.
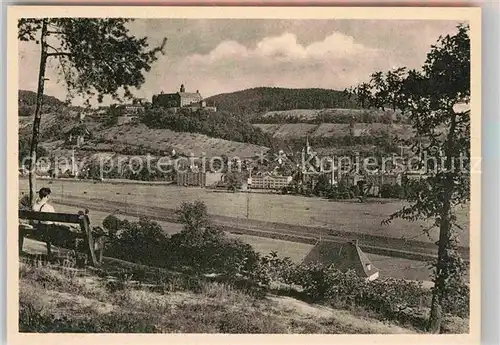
(341, 317)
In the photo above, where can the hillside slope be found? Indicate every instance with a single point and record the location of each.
(165, 139)
(262, 99)
(335, 130)
(335, 114)
(65, 300)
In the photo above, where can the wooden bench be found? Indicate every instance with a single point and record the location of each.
(53, 233)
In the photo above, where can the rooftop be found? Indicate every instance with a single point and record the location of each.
(348, 256)
(189, 94)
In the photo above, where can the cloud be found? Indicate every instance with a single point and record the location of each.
(217, 56)
(286, 48)
(225, 50)
(336, 61)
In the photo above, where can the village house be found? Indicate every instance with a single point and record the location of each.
(123, 120)
(267, 181)
(130, 113)
(134, 109)
(415, 176)
(199, 179)
(76, 134)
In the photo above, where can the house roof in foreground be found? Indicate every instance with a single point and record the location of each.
(344, 256)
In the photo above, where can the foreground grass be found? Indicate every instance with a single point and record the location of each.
(55, 300)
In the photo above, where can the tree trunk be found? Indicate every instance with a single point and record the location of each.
(38, 112)
(436, 314)
(442, 271)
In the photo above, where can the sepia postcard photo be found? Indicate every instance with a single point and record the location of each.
(263, 172)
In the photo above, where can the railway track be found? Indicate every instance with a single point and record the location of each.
(380, 245)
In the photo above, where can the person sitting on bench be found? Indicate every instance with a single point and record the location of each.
(42, 203)
(45, 227)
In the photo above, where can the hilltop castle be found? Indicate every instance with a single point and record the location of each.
(180, 99)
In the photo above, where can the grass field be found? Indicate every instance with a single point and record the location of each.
(295, 210)
(287, 209)
(294, 130)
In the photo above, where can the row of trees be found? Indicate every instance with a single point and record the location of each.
(238, 128)
(215, 124)
(331, 117)
(128, 172)
(27, 103)
(383, 141)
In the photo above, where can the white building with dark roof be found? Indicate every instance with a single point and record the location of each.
(179, 99)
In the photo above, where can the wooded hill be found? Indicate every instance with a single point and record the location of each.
(29, 98)
(344, 129)
(27, 103)
(263, 99)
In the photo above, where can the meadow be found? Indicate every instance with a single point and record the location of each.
(295, 210)
(352, 216)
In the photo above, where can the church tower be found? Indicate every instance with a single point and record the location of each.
(182, 88)
(308, 147)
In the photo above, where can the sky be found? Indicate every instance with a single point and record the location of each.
(225, 55)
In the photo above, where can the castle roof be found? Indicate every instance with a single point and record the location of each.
(189, 94)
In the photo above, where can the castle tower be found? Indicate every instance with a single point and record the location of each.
(182, 88)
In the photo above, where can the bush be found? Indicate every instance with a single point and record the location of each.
(236, 128)
(200, 247)
(393, 299)
(142, 242)
(391, 191)
(112, 224)
(234, 181)
(323, 186)
(341, 191)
